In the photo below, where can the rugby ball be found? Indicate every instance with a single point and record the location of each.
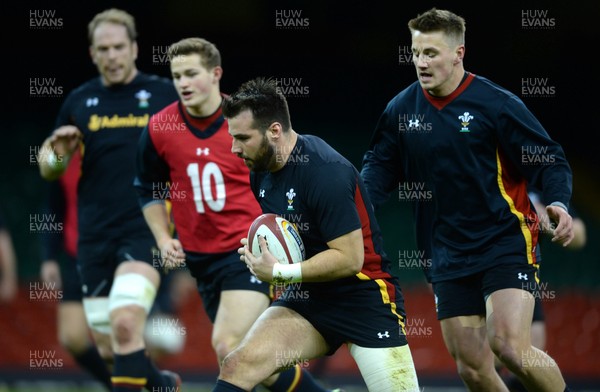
(283, 240)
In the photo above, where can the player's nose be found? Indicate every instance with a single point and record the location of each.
(235, 148)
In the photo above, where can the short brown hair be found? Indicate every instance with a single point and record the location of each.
(452, 25)
(210, 56)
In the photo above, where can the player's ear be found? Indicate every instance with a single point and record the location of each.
(91, 50)
(134, 48)
(275, 130)
(217, 72)
(460, 54)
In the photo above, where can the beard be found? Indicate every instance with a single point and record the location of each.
(264, 157)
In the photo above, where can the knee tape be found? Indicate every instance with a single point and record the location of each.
(131, 289)
(96, 314)
(387, 369)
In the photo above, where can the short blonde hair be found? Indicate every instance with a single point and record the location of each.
(116, 16)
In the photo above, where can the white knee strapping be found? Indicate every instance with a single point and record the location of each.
(131, 289)
(96, 313)
(389, 369)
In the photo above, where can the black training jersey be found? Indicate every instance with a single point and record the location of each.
(322, 193)
(466, 160)
(111, 120)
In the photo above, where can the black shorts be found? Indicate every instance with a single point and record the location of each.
(99, 259)
(538, 310)
(219, 272)
(466, 296)
(163, 302)
(71, 280)
(369, 313)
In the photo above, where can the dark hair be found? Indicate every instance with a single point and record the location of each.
(115, 16)
(452, 25)
(210, 56)
(262, 97)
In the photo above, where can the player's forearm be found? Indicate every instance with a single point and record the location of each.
(379, 178)
(158, 221)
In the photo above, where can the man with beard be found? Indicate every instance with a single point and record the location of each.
(184, 156)
(343, 293)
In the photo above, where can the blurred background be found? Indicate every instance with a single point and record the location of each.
(347, 60)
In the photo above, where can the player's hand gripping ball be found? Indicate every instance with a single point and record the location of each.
(283, 240)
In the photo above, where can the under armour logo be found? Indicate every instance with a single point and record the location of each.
(386, 334)
(200, 151)
(92, 102)
(254, 279)
(522, 276)
(261, 193)
(413, 123)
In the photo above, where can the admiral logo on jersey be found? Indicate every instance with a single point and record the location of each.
(97, 122)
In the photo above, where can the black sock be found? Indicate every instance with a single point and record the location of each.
(136, 370)
(224, 386)
(156, 380)
(514, 385)
(296, 379)
(129, 373)
(90, 360)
